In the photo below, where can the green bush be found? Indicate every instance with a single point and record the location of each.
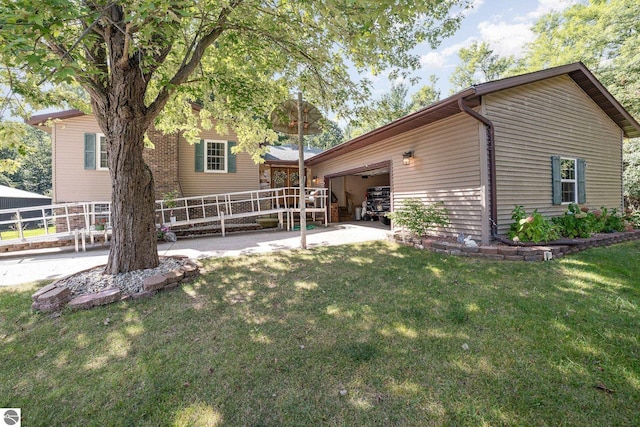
(575, 223)
(418, 217)
(531, 228)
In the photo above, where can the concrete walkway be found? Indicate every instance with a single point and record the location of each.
(48, 264)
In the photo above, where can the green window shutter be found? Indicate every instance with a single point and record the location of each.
(581, 166)
(231, 158)
(199, 149)
(89, 150)
(556, 179)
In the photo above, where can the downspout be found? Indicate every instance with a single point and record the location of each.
(492, 183)
(493, 200)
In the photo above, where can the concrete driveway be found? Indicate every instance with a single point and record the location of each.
(48, 264)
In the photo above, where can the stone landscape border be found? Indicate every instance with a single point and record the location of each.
(54, 297)
(504, 252)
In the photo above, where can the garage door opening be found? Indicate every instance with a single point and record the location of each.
(361, 195)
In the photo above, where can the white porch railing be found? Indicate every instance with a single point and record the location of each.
(60, 221)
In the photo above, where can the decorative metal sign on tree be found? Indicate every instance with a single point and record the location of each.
(301, 118)
(143, 63)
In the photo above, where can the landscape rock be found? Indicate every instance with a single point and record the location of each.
(154, 283)
(91, 300)
(55, 295)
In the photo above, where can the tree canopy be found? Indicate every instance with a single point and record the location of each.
(478, 65)
(30, 163)
(236, 58)
(393, 105)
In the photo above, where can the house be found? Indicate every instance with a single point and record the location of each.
(541, 140)
(80, 172)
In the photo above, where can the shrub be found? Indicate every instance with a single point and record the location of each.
(531, 228)
(418, 217)
(575, 223)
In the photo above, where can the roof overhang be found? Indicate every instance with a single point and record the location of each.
(578, 72)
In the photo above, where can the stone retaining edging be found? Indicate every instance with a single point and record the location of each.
(54, 298)
(513, 253)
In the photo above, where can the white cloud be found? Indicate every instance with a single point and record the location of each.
(509, 38)
(506, 39)
(546, 6)
(444, 58)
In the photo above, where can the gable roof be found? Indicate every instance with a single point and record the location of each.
(14, 193)
(578, 72)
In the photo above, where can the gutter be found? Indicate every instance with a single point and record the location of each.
(493, 200)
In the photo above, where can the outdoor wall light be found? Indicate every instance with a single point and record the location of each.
(406, 157)
(314, 179)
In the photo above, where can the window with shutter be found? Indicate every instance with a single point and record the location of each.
(568, 176)
(215, 156)
(89, 150)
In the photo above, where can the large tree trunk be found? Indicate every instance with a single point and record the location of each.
(124, 120)
(133, 245)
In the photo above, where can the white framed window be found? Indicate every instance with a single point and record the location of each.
(102, 154)
(569, 180)
(215, 156)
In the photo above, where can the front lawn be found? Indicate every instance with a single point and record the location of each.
(359, 335)
(30, 232)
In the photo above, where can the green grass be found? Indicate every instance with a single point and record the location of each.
(14, 234)
(363, 335)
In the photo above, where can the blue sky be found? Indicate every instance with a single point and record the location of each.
(504, 24)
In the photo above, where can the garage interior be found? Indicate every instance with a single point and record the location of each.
(349, 191)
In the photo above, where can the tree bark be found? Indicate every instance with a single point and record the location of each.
(124, 120)
(133, 244)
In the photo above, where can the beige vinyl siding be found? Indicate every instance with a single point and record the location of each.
(551, 118)
(445, 167)
(72, 183)
(246, 177)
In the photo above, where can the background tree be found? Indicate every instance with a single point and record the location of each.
(631, 175)
(238, 58)
(392, 106)
(331, 136)
(478, 65)
(31, 170)
(426, 95)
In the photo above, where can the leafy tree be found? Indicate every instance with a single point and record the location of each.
(478, 65)
(238, 58)
(331, 136)
(631, 176)
(389, 107)
(32, 164)
(393, 105)
(426, 95)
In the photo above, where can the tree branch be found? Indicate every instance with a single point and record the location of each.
(188, 66)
